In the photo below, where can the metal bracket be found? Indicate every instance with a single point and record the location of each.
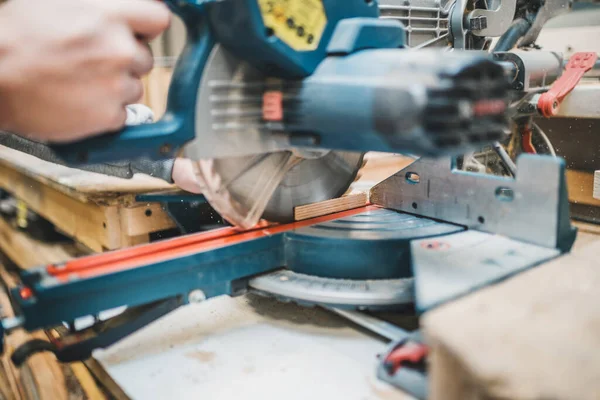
(498, 18)
(514, 224)
(532, 208)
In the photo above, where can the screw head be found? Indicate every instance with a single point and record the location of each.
(165, 149)
(196, 296)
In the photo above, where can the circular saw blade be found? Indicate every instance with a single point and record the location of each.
(313, 180)
(245, 189)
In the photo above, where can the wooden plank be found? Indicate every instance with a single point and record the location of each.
(78, 183)
(587, 227)
(86, 381)
(26, 252)
(41, 377)
(140, 220)
(107, 382)
(98, 227)
(596, 191)
(330, 206)
(87, 222)
(529, 337)
(581, 187)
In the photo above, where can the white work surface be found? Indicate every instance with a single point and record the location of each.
(249, 347)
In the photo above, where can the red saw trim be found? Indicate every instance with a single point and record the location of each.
(526, 143)
(120, 260)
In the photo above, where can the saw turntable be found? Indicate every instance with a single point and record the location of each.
(275, 101)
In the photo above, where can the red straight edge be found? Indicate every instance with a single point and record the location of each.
(132, 257)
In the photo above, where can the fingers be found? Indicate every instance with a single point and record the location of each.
(185, 177)
(146, 18)
(118, 119)
(142, 61)
(132, 90)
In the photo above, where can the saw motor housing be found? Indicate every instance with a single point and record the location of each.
(339, 53)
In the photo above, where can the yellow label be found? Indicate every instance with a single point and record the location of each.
(297, 23)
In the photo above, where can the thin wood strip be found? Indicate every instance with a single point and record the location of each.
(108, 383)
(596, 193)
(330, 206)
(87, 381)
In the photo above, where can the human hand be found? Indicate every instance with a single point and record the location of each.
(68, 68)
(185, 177)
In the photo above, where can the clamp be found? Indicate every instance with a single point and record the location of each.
(405, 365)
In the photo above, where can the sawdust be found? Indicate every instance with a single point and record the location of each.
(202, 356)
(294, 315)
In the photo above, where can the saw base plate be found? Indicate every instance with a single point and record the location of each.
(359, 261)
(370, 260)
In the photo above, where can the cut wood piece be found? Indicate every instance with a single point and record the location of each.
(330, 206)
(378, 167)
(534, 336)
(596, 193)
(581, 187)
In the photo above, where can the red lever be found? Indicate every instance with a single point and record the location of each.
(412, 353)
(526, 137)
(578, 65)
(273, 106)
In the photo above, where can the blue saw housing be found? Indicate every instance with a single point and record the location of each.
(238, 26)
(356, 91)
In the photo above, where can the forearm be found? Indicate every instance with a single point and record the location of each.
(67, 68)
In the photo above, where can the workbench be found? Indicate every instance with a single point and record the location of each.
(249, 345)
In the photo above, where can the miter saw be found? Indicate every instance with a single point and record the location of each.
(276, 101)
